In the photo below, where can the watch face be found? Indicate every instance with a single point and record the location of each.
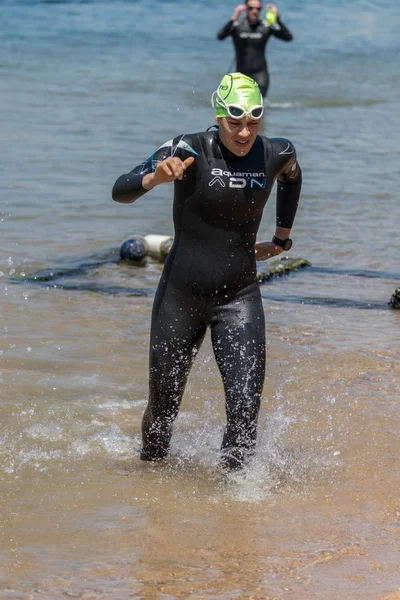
(287, 244)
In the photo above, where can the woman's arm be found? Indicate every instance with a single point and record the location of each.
(161, 167)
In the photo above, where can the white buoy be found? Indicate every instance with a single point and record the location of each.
(159, 245)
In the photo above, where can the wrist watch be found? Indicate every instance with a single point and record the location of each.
(285, 244)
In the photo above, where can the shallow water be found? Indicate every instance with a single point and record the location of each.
(88, 90)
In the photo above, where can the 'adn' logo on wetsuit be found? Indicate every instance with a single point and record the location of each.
(237, 180)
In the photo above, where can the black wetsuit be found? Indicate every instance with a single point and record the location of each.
(209, 278)
(250, 42)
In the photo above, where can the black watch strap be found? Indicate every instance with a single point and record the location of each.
(285, 244)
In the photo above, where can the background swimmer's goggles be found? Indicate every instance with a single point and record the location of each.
(235, 111)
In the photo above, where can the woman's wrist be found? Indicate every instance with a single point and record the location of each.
(148, 181)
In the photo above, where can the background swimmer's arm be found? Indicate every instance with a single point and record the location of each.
(280, 30)
(228, 28)
(225, 31)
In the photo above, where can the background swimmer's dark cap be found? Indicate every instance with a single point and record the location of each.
(236, 88)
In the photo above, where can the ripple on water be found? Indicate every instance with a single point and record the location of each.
(57, 437)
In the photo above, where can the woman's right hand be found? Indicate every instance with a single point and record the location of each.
(168, 170)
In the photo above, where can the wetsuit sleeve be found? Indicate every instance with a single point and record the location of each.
(226, 30)
(128, 187)
(289, 184)
(281, 32)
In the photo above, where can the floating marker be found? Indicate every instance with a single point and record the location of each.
(159, 245)
(135, 249)
(281, 266)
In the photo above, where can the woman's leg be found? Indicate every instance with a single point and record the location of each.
(238, 338)
(262, 78)
(177, 332)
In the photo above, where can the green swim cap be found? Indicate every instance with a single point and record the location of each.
(236, 88)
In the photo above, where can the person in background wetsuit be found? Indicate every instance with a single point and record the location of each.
(250, 37)
(222, 180)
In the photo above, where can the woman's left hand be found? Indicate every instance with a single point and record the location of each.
(265, 250)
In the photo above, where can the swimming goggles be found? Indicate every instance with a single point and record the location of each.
(235, 111)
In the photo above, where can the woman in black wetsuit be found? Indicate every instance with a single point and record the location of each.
(222, 180)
